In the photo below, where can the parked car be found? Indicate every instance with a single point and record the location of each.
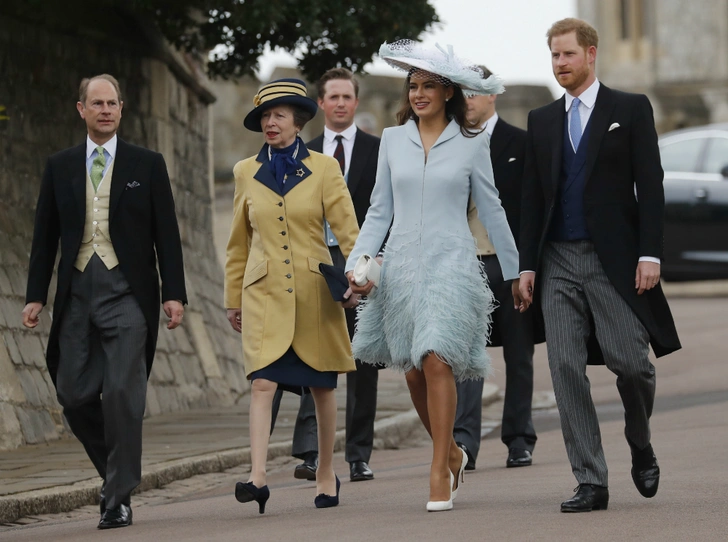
(695, 161)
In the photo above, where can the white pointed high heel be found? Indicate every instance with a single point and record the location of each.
(461, 474)
(441, 506)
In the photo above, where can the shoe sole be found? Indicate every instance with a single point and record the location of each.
(515, 465)
(304, 474)
(104, 527)
(595, 508)
(361, 478)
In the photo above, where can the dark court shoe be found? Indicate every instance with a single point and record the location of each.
(307, 469)
(518, 457)
(645, 470)
(116, 517)
(323, 500)
(360, 471)
(470, 465)
(249, 492)
(588, 497)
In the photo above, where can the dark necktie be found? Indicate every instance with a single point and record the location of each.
(339, 153)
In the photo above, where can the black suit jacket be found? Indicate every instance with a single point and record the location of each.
(623, 197)
(362, 170)
(142, 220)
(507, 155)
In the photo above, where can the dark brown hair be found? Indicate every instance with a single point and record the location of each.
(300, 116)
(336, 73)
(83, 87)
(455, 108)
(586, 34)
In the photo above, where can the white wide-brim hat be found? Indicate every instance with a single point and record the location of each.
(408, 55)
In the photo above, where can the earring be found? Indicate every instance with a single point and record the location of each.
(447, 99)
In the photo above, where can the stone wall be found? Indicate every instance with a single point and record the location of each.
(166, 108)
(379, 100)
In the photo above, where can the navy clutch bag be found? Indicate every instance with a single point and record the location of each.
(336, 280)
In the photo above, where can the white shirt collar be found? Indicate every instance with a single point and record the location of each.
(348, 134)
(109, 146)
(588, 97)
(489, 125)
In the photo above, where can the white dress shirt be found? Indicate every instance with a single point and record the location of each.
(489, 125)
(349, 135)
(587, 98)
(109, 152)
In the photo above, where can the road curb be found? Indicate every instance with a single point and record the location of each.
(389, 433)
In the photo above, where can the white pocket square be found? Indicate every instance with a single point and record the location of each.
(614, 126)
(512, 159)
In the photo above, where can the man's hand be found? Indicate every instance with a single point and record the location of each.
(525, 285)
(647, 276)
(233, 316)
(518, 303)
(360, 290)
(174, 311)
(351, 299)
(30, 314)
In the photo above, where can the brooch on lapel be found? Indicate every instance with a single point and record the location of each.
(300, 173)
(132, 184)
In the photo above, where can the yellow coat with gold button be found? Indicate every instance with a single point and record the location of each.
(273, 255)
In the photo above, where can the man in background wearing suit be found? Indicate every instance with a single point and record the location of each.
(110, 204)
(357, 153)
(511, 329)
(591, 245)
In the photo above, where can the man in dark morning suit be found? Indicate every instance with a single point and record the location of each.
(357, 153)
(513, 330)
(591, 246)
(110, 204)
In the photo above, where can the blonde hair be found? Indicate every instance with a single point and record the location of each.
(586, 34)
(83, 88)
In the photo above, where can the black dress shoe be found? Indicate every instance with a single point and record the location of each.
(588, 497)
(116, 517)
(518, 457)
(470, 465)
(360, 471)
(307, 469)
(645, 470)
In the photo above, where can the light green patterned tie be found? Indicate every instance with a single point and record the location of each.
(97, 168)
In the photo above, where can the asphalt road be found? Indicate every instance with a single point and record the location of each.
(690, 435)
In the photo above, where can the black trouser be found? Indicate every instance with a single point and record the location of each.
(516, 332)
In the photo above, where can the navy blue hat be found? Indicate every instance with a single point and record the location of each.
(279, 92)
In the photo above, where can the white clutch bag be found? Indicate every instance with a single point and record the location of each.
(366, 269)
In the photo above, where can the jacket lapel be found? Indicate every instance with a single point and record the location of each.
(603, 108)
(78, 179)
(124, 164)
(359, 155)
(557, 140)
(263, 174)
(499, 140)
(302, 171)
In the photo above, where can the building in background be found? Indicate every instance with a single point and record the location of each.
(674, 51)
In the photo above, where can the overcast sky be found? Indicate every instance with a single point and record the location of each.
(508, 36)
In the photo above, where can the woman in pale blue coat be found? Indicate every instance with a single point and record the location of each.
(430, 314)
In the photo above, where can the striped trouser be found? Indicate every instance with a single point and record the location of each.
(578, 299)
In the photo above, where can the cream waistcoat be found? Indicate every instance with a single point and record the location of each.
(96, 238)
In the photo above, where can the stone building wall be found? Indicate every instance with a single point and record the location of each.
(166, 108)
(379, 100)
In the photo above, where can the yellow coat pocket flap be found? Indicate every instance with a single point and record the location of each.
(313, 265)
(255, 274)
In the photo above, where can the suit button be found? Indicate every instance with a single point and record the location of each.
(290, 290)
(568, 216)
(566, 201)
(283, 233)
(280, 204)
(288, 276)
(287, 261)
(285, 247)
(280, 218)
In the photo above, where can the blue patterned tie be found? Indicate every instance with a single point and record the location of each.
(575, 124)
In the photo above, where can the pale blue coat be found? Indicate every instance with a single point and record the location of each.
(432, 296)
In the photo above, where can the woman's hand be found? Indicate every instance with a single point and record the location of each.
(233, 316)
(351, 299)
(361, 290)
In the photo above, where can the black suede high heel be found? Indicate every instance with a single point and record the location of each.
(323, 500)
(249, 492)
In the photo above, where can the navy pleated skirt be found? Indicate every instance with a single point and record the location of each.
(292, 374)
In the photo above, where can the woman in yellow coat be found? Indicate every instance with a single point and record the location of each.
(294, 334)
